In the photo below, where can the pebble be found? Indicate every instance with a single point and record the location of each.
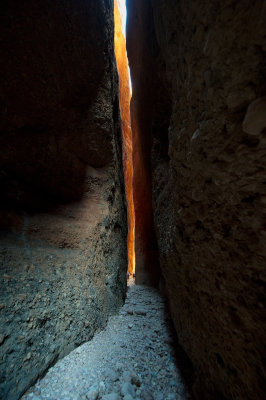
(173, 397)
(126, 376)
(131, 359)
(127, 388)
(93, 393)
(111, 396)
(146, 394)
(159, 396)
(101, 388)
(112, 375)
(140, 312)
(135, 379)
(128, 397)
(34, 397)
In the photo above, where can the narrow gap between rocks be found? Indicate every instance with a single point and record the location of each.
(137, 355)
(124, 100)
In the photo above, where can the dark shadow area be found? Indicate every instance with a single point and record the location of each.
(63, 226)
(181, 358)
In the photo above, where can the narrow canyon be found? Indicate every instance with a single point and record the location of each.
(133, 212)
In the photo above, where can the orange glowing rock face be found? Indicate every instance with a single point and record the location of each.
(124, 100)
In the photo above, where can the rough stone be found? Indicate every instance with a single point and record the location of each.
(146, 394)
(111, 396)
(127, 388)
(135, 380)
(63, 256)
(93, 393)
(255, 119)
(128, 397)
(198, 111)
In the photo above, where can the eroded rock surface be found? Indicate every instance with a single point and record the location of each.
(199, 77)
(63, 218)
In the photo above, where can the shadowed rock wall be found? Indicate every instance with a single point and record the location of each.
(63, 250)
(139, 47)
(205, 63)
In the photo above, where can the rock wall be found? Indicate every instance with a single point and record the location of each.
(63, 253)
(200, 71)
(124, 103)
(140, 32)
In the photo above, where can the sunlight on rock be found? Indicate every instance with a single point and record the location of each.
(124, 99)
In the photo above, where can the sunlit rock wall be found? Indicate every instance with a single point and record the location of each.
(204, 62)
(63, 253)
(124, 101)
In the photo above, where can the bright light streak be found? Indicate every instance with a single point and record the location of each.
(124, 100)
(123, 12)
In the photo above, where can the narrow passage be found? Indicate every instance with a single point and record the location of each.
(133, 358)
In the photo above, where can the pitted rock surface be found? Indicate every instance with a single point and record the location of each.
(63, 224)
(199, 121)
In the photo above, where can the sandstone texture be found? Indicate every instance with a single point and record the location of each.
(124, 103)
(199, 78)
(63, 255)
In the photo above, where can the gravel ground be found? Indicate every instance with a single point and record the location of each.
(132, 358)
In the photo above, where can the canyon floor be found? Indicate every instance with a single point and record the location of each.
(132, 358)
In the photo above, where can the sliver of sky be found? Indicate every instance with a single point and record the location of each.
(123, 11)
